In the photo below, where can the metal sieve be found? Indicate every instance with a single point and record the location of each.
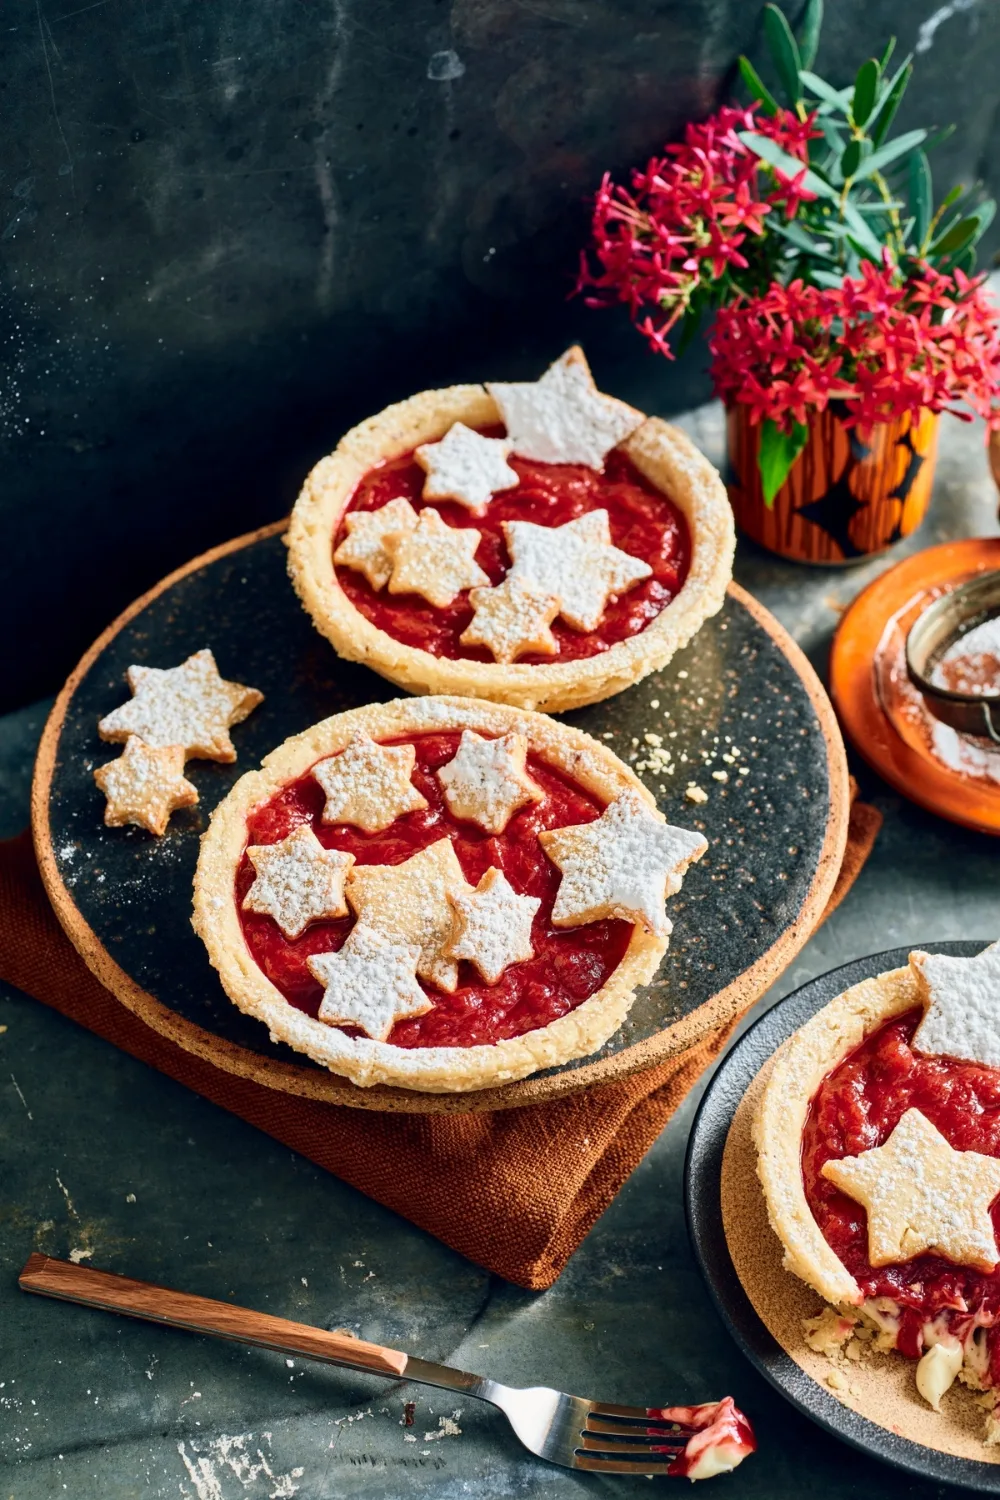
(940, 625)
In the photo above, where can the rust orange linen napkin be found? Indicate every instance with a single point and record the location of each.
(515, 1190)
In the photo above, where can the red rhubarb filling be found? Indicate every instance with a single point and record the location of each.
(568, 966)
(856, 1108)
(643, 521)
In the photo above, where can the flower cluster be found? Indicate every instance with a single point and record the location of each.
(880, 344)
(669, 243)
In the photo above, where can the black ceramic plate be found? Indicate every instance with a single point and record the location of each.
(704, 1216)
(772, 828)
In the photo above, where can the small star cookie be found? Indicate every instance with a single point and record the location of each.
(368, 785)
(145, 785)
(961, 999)
(467, 468)
(563, 418)
(189, 705)
(486, 781)
(624, 864)
(576, 563)
(364, 547)
(409, 903)
(493, 926)
(370, 982)
(435, 560)
(922, 1195)
(298, 881)
(512, 620)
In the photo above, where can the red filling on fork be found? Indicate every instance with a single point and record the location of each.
(721, 1439)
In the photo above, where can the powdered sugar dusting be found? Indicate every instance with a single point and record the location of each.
(575, 563)
(512, 620)
(467, 468)
(365, 547)
(370, 982)
(486, 781)
(493, 926)
(961, 999)
(971, 663)
(190, 705)
(563, 418)
(409, 903)
(435, 560)
(298, 881)
(368, 785)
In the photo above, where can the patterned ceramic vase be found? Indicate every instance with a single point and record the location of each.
(844, 499)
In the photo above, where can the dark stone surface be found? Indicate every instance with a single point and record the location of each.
(229, 230)
(765, 829)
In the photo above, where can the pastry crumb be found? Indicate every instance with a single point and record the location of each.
(694, 793)
(828, 1331)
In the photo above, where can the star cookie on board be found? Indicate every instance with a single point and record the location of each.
(563, 418)
(145, 785)
(370, 982)
(409, 903)
(368, 785)
(576, 563)
(364, 547)
(961, 999)
(486, 781)
(298, 881)
(493, 926)
(624, 864)
(467, 468)
(512, 620)
(922, 1195)
(189, 705)
(435, 560)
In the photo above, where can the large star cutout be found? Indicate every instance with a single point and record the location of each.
(189, 705)
(512, 620)
(298, 881)
(624, 864)
(961, 999)
(409, 903)
(467, 468)
(576, 563)
(364, 547)
(435, 560)
(486, 782)
(493, 926)
(370, 982)
(563, 418)
(145, 785)
(368, 785)
(921, 1195)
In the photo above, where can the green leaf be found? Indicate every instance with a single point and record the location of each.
(790, 166)
(820, 89)
(955, 239)
(937, 137)
(854, 154)
(867, 242)
(887, 110)
(777, 452)
(864, 91)
(784, 51)
(921, 195)
(809, 30)
(796, 235)
(952, 197)
(826, 278)
(890, 47)
(891, 151)
(756, 88)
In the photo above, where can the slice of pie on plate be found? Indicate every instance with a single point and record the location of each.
(878, 1149)
(535, 543)
(439, 893)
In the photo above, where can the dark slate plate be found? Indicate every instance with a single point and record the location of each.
(702, 1174)
(773, 832)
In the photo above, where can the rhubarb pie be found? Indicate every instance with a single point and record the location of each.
(534, 543)
(878, 1142)
(439, 893)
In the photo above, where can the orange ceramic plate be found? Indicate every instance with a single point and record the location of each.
(909, 768)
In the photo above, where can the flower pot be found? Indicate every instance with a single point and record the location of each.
(844, 498)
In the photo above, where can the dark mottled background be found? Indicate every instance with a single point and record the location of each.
(232, 227)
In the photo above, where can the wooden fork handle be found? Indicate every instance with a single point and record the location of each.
(140, 1299)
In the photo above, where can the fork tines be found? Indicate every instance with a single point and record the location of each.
(627, 1440)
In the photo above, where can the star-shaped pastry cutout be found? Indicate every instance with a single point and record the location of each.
(467, 468)
(298, 881)
(435, 560)
(563, 418)
(409, 903)
(576, 563)
(368, 785)
(512, 620)
(493, 926)
(922, 1195)
(364, 547)
(961, 999)
(624, 864)
(145, 785)
(189, 705)
(370, 982)
(486, 782)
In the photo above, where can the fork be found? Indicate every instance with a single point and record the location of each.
(563, 1429)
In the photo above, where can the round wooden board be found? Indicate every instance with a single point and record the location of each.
(776, 835)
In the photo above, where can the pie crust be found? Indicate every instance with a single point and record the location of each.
(660, 452)
(366, 1062)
